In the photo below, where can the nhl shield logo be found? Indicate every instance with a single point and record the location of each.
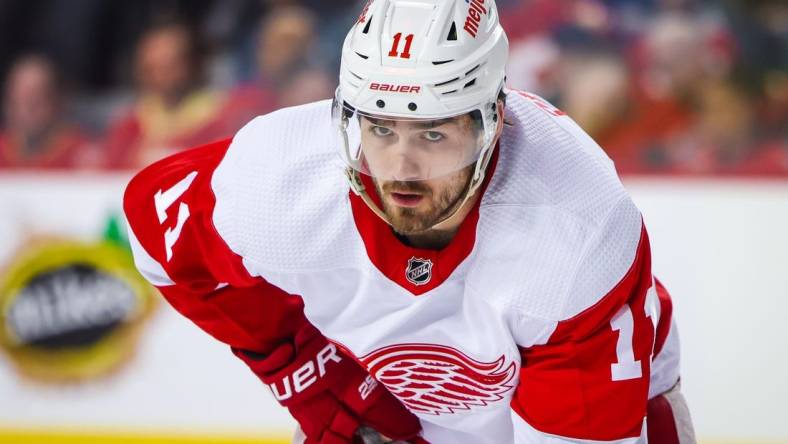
(419, 271)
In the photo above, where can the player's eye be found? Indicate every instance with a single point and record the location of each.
(434, 136)
(381, 131)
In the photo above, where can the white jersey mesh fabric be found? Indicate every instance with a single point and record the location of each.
(282, 196)
(554, 207)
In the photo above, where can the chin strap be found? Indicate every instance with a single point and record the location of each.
(361, 191)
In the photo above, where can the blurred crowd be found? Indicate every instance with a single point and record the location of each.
(665, 86)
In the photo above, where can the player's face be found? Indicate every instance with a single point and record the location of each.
(421, 169)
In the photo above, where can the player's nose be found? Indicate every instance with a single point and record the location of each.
(405, 168)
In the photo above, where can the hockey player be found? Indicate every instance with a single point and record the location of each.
(430, 256)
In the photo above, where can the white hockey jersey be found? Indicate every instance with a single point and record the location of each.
(539, 323)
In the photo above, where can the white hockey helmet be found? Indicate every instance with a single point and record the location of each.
(421, 60)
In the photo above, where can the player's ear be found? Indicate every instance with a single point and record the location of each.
(499, 109)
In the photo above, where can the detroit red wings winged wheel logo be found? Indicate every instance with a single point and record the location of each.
(435, 379)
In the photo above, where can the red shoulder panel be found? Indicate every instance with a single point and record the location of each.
(169, 206)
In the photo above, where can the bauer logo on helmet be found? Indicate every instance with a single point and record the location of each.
(387, 87)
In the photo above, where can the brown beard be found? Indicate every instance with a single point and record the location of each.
(410, 221)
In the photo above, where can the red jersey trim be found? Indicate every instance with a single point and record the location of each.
(392, 257)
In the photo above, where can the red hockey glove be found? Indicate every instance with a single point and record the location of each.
(327, 392)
